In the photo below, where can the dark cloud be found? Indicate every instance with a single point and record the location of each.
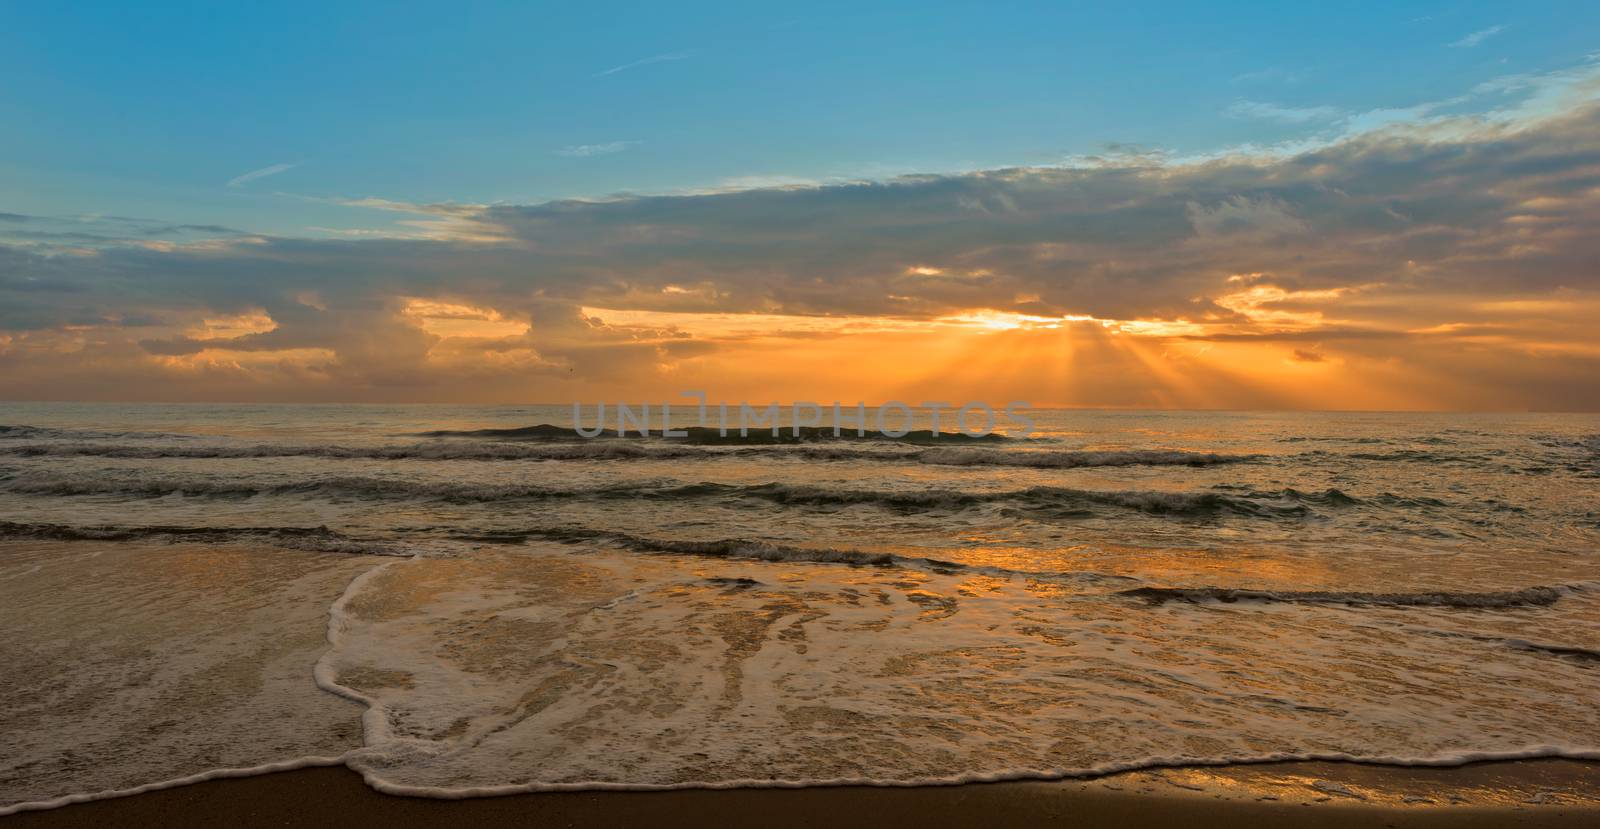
(166, 230)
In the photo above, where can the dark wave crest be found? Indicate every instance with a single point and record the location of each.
(1039, 502)
(1526, 597)
(756, 549)
(25, 432)
(317, 539)
(1061, 501)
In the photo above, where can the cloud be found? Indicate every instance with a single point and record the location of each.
(218, 230)
(264, 172)
(88, 232)
(663, 58)
(1444, 261)
(443, 221)
(589, 150)
(1237, 215)
(1477, 37)
(1287, 115)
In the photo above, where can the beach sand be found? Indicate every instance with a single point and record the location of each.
(1522, 793)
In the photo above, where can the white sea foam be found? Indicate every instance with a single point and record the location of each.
(861, 677)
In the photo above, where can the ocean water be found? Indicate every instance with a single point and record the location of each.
(453, 603)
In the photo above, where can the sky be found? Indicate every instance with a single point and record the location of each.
(1221, 205)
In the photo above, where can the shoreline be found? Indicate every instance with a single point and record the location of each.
(1539, 792)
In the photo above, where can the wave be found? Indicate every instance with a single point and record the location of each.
(1580, 454)
(711, 435)
(1064, 501)
(339, 486)
(739, 548)
(1411, 456)
(632, 450)
(1561, 651)
(1582, 443)
(313, 539)
(764, 550)
(323, 539)
(422, 451)
(1039, 501)
(24, 432)
(1074, 459)
(1332, 439)
(1401, 456)
(1526, 597)
(350, 486)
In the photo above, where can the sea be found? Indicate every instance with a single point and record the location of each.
(458, 601)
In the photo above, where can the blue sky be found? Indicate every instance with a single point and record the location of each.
(151, 110)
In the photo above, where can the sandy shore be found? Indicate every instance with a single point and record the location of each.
(1525, 793)
(1528, 793)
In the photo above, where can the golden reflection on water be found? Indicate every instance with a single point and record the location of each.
(1240, 565)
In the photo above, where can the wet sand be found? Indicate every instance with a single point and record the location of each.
(1523, 793)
